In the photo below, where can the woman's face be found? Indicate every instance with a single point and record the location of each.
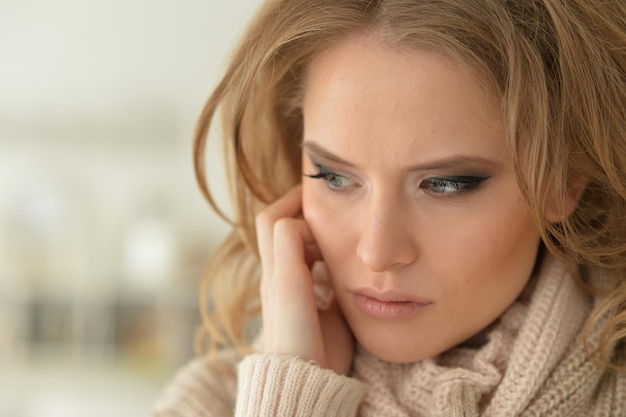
(415, 206)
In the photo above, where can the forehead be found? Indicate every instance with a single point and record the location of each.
(361, 93)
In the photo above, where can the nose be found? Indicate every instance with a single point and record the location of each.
(386, 240)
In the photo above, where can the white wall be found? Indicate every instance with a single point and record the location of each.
(102, 73)
(70, 58)
(98, 100)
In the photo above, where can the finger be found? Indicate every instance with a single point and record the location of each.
(322, 288)
(292, 237)
(290, 205)
(288, 299)
(291, 283)
(312, 253)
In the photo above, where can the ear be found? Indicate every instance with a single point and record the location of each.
(560, 209)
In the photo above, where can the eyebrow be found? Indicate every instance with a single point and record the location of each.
(449, 162)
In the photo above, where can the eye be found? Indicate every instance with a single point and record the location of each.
(332, 179)
(449, 185)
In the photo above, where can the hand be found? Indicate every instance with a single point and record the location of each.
(292, 324)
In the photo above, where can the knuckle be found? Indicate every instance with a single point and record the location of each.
(284, 226)
(263, 218)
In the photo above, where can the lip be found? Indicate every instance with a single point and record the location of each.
(389, 304)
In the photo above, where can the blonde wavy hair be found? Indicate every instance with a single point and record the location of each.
(559, 67)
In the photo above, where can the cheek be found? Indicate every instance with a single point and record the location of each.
(504, 231)
(513, 235)
(499, 257)
(484, 241)
(329, 224)
(318, 215)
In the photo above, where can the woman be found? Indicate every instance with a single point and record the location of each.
(430, 197)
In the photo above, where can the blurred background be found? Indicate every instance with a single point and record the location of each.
(103, 233)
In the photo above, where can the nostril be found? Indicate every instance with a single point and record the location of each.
(382, 255)
(386, 237)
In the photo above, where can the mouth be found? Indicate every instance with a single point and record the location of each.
(389, 304)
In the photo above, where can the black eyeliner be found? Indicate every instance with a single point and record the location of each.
(323, 172)
(460, 183)
(467, 179)
(315, 176)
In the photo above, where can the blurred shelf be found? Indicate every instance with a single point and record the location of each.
(151, 330)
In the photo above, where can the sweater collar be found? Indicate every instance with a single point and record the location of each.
(502, 376)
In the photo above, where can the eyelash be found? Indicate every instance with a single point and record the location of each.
(458, 184)
(454, 184)
(328, 176)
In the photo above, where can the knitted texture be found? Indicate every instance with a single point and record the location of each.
(532, 364)
(529, 365)
(296, 388)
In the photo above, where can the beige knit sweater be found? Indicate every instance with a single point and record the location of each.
(532, 364)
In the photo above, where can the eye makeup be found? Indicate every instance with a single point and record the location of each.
(441, 186)
(452, 184)
(332, 179)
